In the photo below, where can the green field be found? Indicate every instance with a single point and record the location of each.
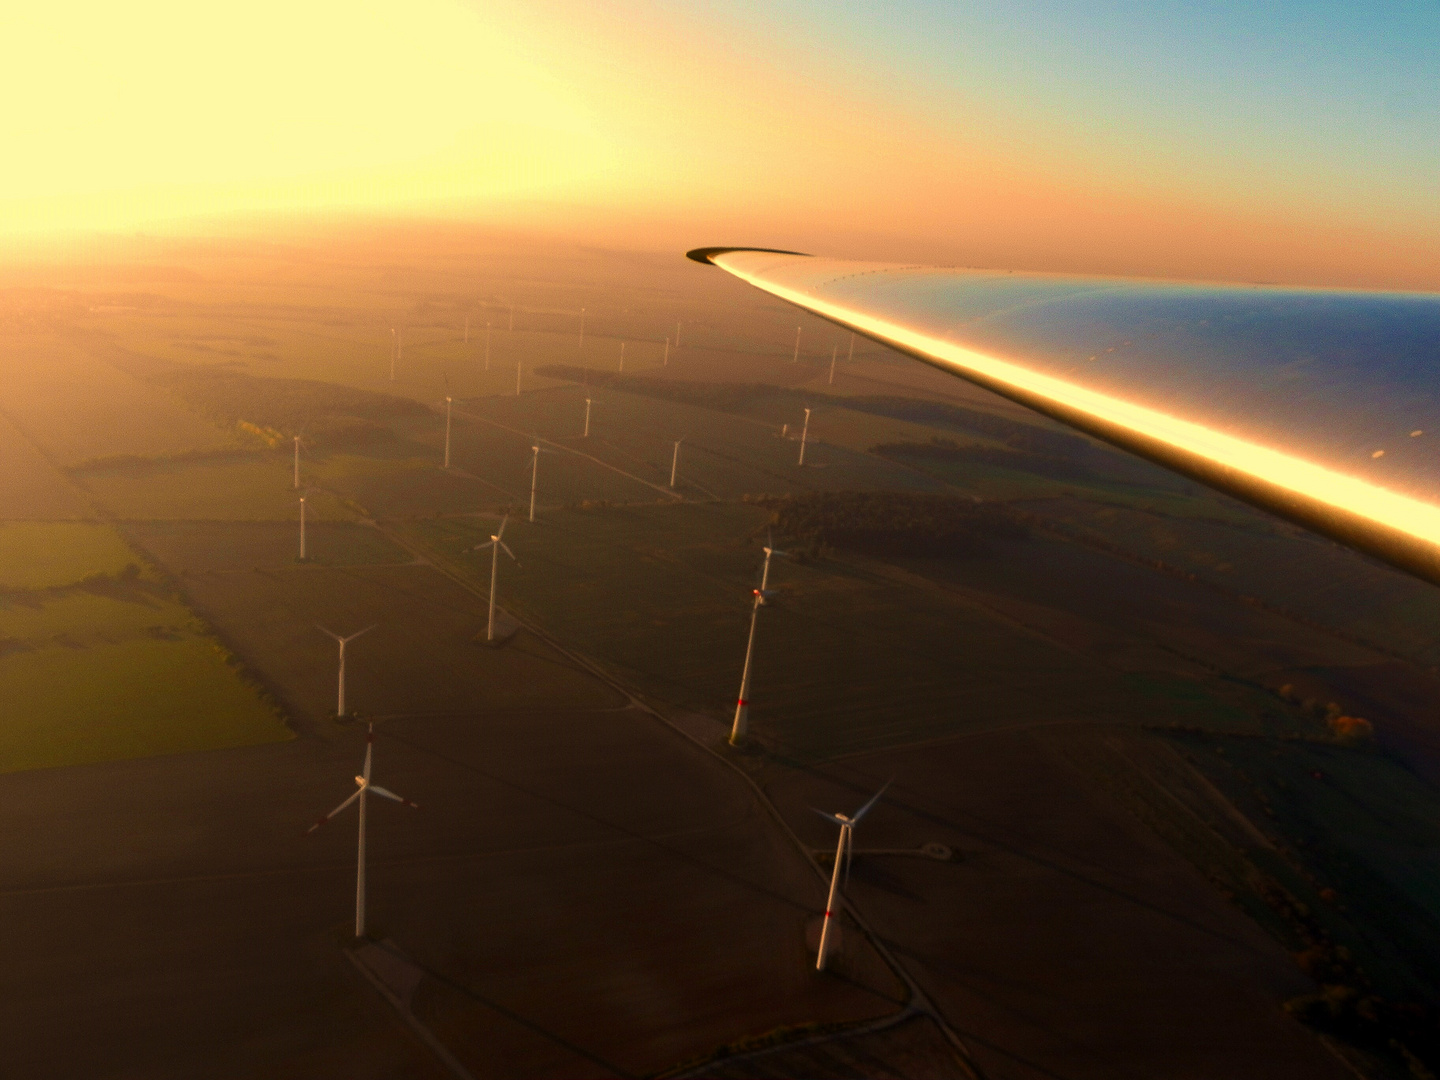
(43, 555)
(98, 661)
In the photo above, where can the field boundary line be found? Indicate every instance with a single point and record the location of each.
(423, 1033)
(919, 1002)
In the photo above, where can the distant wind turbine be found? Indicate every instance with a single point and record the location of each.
(586, 433)
(535, 476)
(340, 702)
(677, 335)
(741, 725)
(495, 544)
(365, 788)
(796, 358)
(852, 348)
(833, 350)
(297, 462)
(844, 851)
(622, 356)
(675, 461)
(448, 401)
(804, 434)
(518, 368)
(666, 362)
(512, 317)
(302, 528)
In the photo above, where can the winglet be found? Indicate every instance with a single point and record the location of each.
(707, 255)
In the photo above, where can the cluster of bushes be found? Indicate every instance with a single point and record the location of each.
(329, 415)
(947, 451)
(891, 523)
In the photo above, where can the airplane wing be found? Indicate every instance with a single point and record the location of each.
(1322, 406)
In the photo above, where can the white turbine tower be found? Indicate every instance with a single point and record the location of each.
(675, 461)
(804, 434)
(666, 362)
(834, 349)
(302, 528)
(512, 318)
(677, 335)
(586, 433)
(622, 356)
(495, 544)
(297, 462)
(741, 725)
(518, 368)
(448, 400)
(366, 788)
(843, 852)
(796, 358)
(340, 701)
(535, 475)
(852, 348)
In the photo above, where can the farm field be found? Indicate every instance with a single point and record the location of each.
(660, 594)
(245, 487)
(30, 488)
(99, 662)
(192, 547)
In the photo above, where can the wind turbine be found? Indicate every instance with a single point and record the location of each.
(340, 703)
(852, 348)
(677, 335)
(518, 368)
(796, 358)
(622, 356)
(534, 476)
(769, 550)
(302, 528)
(586, 433)
(448, 401)
(833, 350)
(297, 462)
(844, 851)
(675, 461)
(666, 361)
(804, 433)
(495, 544)
(366, 788)
(742, 704)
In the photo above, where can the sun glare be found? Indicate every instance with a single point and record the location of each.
(123, 112)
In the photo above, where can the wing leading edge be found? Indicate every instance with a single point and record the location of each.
(1321, 406)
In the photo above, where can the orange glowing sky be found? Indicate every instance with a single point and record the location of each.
(1016, 135)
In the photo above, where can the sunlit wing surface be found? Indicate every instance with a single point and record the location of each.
(1319, 405)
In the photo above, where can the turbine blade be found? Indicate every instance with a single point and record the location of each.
(332, 813)
(829, 817)
(503, 522)
(508, 551)
(357, 633)
(482, 547)
(332, 633)
(385, 793)
(855, 817)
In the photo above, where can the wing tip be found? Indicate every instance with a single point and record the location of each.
(707, 254)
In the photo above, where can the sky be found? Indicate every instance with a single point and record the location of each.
(1294, 142)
